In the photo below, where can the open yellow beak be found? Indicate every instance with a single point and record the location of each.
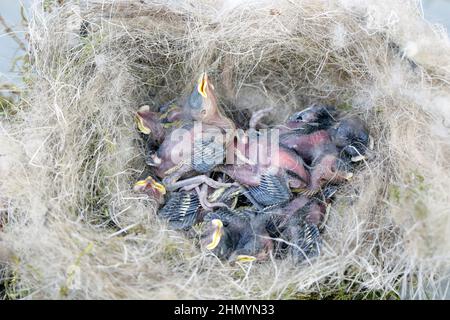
(217, 234)
(245, 258)
(140, 183)
(140, 121)
(159, 187)
(202, 84)
(149, 180)
(141, 127)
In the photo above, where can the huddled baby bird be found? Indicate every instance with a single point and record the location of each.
(252, 206)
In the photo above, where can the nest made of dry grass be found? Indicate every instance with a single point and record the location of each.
(74, 229)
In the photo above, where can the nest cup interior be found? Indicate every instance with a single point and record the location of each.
(74, 227)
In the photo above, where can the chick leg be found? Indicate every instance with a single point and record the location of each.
(203, 197)
(191, 183)
(174, 174)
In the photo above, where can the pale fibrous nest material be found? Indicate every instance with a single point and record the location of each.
(73, 228)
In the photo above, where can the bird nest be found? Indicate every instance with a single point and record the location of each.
(72, 227)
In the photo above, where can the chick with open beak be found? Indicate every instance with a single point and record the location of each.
(207, 136)
(152, 188)
(156, 126)
(314, 153)
(237, 235)
(149, 123)
(202, 105)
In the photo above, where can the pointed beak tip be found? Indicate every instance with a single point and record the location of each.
(162, 190)
(156, 185)
(349, 176)
(203, 84)
(139, 184)
(216, 234)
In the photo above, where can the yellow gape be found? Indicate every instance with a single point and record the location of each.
(202, 83)
(141, 127)
(245, 258)
(156, 185)
(159, 187)
(217, 234)
(140, 183)
(140, 122)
